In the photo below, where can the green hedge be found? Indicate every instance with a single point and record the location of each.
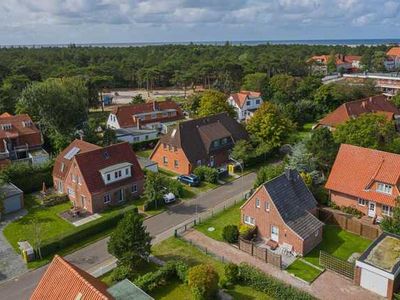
(273, 287)
(54, 199)
(145, 145)
(207, 174)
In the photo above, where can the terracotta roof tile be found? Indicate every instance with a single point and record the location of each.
(356, 168)
(17, 123)
(241, 97)
(62, 280)
(394, 51)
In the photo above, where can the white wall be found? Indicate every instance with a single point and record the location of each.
(112, 122)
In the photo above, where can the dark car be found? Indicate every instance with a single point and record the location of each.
(190, 180)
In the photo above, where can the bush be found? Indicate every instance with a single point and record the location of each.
(230, 233)
(181, 269)
(247, 231)
(267, 173)
(273, 287)
(203, 282)
(207, 174)
(54, 199)
(120, 273)
(231, 273)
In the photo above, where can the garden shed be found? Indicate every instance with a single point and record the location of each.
(13, 197)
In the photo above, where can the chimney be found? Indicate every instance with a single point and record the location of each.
(288, 174)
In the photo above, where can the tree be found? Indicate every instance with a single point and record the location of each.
(213, 102)
(396, 100)
(368, 130)
(392, 224)
(303, 161)
(331, 64)
(203, 282)
(192, 103)
(323, 147)
(109, 137)
(130, 243)
(137, 99)
(268, 128)
(10, 90)
(283, 88)
(267, 173)
(242, 151)
(257, 82)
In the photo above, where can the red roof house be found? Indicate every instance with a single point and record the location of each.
(377, 104)
(392, 61)
(365, 179)
(95, 177)
(349, 63)
(245, 103)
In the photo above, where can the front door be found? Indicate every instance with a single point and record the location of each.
(371, 209)
(121, 195)
(274, 233)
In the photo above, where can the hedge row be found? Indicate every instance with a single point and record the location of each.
(273, 287)
(54, 199)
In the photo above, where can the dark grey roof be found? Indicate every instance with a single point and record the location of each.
(193, 136)
(294, 201)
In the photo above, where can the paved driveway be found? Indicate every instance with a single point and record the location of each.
(11, 263)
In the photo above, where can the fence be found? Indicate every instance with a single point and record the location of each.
(336, 264)
(261, 253)
(349, 223)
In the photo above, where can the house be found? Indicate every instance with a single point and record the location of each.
(350, 110)
(205, 141)
(145, 115)
(284, 211)
(20, 140)
(133, 135)
(95, 178)
(392, 61)
(378, 267)
(65, 281)
(245, 104)
(388, 83)
(13, 198)
(365, 179)
(344, 63)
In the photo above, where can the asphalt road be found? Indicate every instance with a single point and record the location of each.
(92, 256)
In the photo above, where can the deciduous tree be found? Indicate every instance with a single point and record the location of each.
(213, 102)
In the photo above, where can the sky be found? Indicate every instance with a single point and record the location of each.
(29, 22)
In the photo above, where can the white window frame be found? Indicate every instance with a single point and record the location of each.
(362, 202)
(258, 203)
(249, 220)
(71, 192)
(388, 211)
(176, 163)
(134, 189)
(266, 205)
(107, 198)
(165, 160)
(384, 188)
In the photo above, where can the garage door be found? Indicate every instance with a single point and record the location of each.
(12, 203)
(374, 282)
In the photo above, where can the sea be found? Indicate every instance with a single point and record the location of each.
(333, 42)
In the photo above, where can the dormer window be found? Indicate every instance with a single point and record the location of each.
(6, 126)
(384, 188)
(116, 172)
(27, 123)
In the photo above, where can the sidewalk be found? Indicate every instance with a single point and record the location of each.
(328, 286)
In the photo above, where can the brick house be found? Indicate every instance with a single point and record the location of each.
(284, 211)
(345, 63)
(245, 103)
(95, 178)
(377, 104)
(365, 179)
(205, 141)
(20, 140)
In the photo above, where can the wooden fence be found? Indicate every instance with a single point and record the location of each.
(349, 223)
(337, 265)
(261, 253)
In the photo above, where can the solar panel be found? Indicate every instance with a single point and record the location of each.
(71, 153)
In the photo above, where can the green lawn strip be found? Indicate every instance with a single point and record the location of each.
(174, 290)
(191, 191)
(240, 292)
(303, 270)
(167, 172)
(144, 153)
(339, 243)
(140, 202)
(230, 216)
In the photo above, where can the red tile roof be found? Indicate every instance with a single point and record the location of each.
(376, 104)
(65, 281)
(356, 169)
(395, 51)
(351, 58)
(60, 160)
(91, 162)
(19, 128)
(124, 113)
(241, 97)
(339, 59)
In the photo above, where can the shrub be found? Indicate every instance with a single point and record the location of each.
(230, 233)
(267, 173)
(273, 287)
(231, 273)
(181, 269)
(120, 273)
(203, 281)
(54, 199)
(247, 231)
(207, 174)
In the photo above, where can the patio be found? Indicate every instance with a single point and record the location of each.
(78, 217)
(287, 257)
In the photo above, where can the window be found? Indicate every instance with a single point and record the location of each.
(6, 126)
(136, 139)
(108, 177)
(154, 116)
(119, 173)
(216, 143)
(266, 206)
(116, 174)
(127, 171)
(165, 114)
(198, 162)
(176, 163)
(248, 103)
(79, 180)
(71, 192)
(146, 137)
(165, 160)
(384, 188)
(258, 203)
(249, 220)
(257, 101)
(74, 179)
(387, 210)
(107, 198)
(62, 167)
(362, 202)
(134, 189)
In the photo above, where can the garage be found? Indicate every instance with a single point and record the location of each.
(13, 200)
(374, 282)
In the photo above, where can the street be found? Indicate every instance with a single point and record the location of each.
(92, 256)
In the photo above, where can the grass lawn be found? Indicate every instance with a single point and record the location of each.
(144, 153)
(303, 133)
(191, 191)
(173, 291)
(240, 292)
(303, 271)
(230, 216)
(339, 243)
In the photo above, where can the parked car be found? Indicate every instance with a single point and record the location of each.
(169, 198)
(190, 180)
(222, 172)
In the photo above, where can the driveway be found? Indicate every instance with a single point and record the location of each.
(11, 263)
(95, 255)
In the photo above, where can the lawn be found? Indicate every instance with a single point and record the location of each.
(339, 243)
(303, 271)
(144, 153)
(303, 133)
(230, 216)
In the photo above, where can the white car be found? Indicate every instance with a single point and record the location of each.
(169, 198)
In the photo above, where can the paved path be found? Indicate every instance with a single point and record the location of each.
(328, 286)
(95, 255)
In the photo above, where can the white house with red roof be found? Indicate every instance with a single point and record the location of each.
(365, 179)
(245, 103)
(392, 61)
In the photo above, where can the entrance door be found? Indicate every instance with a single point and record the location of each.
(371, 209)
(274, 233)
(121, 195)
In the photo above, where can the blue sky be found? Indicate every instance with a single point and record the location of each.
(111, 21)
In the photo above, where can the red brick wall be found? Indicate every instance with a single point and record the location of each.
(184, 167)
(265, 220)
